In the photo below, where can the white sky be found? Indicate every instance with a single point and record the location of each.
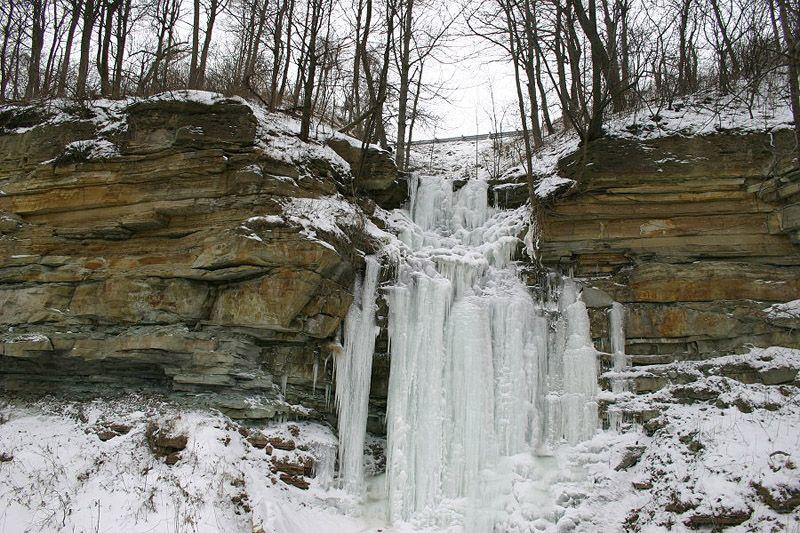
(472, 71)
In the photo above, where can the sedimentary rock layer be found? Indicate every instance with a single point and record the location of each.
(695, 235)
(179, 242)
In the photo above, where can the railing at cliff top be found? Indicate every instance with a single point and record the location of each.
(480, 137)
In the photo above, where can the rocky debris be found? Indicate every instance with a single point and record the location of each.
(183, 243)
(695, 235)
(281, 443)
(779, 488)
(631, 457)
(782, 499)
(295, 470)
(258, 440)
(165, 443)
(722, 518)
(298, 465)
(716, 453)
(292, 465)
(56, 451)
(110, 430)
(296, 481)
(242, 503)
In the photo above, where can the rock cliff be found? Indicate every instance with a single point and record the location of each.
(187, 243)
(696, 235)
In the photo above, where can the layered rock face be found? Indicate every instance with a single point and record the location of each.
(190, 244)
(696, 236)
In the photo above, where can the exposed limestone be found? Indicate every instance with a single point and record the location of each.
(695, 235)
(145, 246)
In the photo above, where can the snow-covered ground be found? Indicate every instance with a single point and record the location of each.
(56, 474)
(719, 452)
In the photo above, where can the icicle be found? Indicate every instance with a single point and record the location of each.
(617, 333)
(571, 401)
(314, 372)
(284, 382)
(353, 375)
(616, 319)
(324, 463)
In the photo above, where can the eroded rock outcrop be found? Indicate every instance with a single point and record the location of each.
(186, 242)
(696, 235)
(374, 170)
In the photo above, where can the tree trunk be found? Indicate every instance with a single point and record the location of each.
(414, 111)
(105, 84)
(277, 54)
(793, 57)
(5, 61)
(38, 13)
(89, 15)
(213, 10)
(55, 43)
(515, 58)
(405, 69)
(122, 34)
(308, 95)
(287, 62)
(193, 76)
(64, 70)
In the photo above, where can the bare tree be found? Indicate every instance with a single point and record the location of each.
(38, 12)
(315, 19)
(90, 11)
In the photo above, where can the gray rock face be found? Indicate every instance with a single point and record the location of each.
(696, 236)
(144, 267)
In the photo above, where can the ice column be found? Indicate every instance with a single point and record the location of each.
(616, 319)
(353, 374)
(572, 372)
(415, 407)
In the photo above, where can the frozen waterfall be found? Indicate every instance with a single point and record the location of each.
(479, 369)
(353, 375)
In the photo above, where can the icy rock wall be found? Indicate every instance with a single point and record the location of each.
(186, 243)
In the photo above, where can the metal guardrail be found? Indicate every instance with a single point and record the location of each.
(480, 137)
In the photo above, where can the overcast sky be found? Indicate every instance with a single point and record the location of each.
(472, 71)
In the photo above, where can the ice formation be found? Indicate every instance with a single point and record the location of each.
(479, 369)
(353, 374)
(616, 328)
